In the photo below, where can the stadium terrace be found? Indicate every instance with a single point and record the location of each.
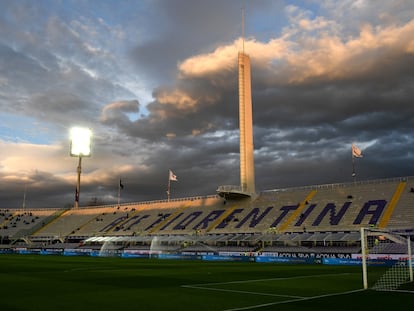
(327, 216)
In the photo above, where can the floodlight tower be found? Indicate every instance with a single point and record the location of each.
(80, 146)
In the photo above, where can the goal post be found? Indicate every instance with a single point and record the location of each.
(391, 251)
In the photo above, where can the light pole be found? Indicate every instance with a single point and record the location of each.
(80, 146)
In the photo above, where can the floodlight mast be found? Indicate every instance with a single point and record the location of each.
(80, 147)
(79, 170)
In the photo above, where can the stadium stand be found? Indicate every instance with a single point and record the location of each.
(21, 223)
(320, 218)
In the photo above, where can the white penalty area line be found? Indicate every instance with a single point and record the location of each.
(240, 291)
(293, 300)
(266, 280)
(206, 286)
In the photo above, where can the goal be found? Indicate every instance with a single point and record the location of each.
(386, 259)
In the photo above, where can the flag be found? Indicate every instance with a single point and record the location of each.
(356, 152)
(76, 195)
(121, 185)
(172, 176)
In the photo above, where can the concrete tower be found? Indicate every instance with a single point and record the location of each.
(247, 182)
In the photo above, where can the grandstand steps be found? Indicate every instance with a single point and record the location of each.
(351, 198)
(119, 220)
(277, 199)
(297, 212)
(403, 213)
(171, 218)
(48, 218)
(391, 205)
(36, 227)
(166, 220)
(67, 223)
(222, 218)
(93, 224)
(308, 214)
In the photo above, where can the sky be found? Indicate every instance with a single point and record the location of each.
(156, 82)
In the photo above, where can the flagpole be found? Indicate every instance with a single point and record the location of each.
(169, 187)
(172, 177)
(119, 192)
(356, 153)
(24, 196)
(353, 167)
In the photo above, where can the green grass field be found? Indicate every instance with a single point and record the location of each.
(58, 283)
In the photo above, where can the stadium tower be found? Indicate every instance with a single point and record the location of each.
(246, 126)
(247, 181)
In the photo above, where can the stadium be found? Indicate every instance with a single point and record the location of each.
(361, 223)
(324, 220)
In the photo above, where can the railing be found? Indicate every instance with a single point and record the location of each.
(229, 188)
(339, 185)
(152, 202)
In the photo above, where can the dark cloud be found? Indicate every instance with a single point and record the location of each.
(157, 83)
(183, 29)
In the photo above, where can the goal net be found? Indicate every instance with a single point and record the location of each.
(386, 260)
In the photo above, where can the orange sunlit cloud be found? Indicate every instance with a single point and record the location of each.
(178, 98)
(172, 102)
(25, 157)
(114, 109)
(327, 55)
(225, 58)
(20, 160)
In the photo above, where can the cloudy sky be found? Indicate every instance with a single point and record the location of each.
(156, 82)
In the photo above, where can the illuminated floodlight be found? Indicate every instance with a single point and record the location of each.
(80, 145)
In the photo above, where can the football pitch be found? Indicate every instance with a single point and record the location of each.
(58, 283)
